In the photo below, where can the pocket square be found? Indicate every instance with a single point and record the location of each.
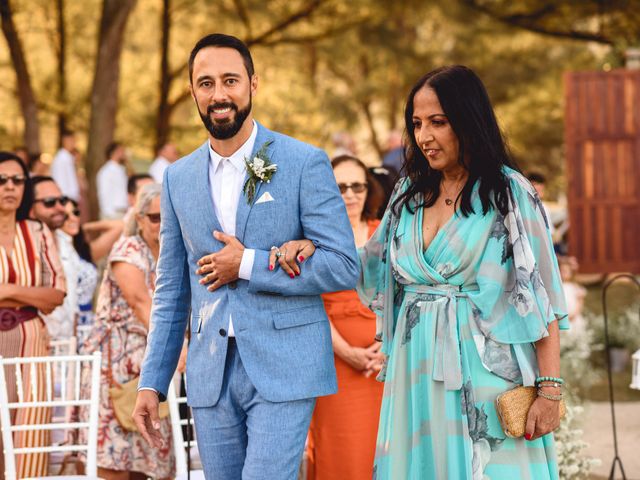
(264, 198)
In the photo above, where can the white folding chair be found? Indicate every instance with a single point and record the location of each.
(179, 443)
(67, 346)
(66, 365)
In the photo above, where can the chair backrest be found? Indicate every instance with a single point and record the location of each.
(68, 346)
(41, 395)
(179, 444)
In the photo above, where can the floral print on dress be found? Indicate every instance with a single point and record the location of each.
(116, 326)
(496, 288)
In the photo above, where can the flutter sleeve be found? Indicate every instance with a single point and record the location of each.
(376, 286)
(520, 287)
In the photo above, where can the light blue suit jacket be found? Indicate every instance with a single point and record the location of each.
(281, 328)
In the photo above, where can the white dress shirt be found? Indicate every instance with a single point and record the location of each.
(157, 168)
(61, 321)
(226, 178)
(112, 190)
(63, 172)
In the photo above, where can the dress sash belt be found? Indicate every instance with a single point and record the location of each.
(447, 363)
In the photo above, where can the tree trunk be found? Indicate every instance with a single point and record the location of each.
(62, 66)
(26, 96)
(104, 93)
(163, 119)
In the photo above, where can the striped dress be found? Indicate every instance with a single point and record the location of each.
(33, 262)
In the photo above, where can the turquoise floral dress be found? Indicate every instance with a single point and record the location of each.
(458, 321)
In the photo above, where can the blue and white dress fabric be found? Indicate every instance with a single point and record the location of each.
(87, 282)
(458, 321)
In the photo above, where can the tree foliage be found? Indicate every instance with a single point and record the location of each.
(324, 66)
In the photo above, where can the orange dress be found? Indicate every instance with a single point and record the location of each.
(342, 436)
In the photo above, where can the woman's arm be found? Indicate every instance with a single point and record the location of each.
(45, 299)
(544, 414)
(130, 279)
(358, 358)
(101, 246)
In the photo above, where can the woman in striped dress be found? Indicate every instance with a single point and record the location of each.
(31, 281)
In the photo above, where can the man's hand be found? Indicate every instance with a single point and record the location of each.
(221, 267)
(145, 414)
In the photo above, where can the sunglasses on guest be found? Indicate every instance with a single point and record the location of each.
(17, 180)
(50, 202)
(354, 187)
(153, 217)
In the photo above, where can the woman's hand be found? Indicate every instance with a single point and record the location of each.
(543, 417)
(358, 358)
(376, 359)
(292, 253)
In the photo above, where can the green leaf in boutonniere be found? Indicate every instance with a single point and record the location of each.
(260, 169)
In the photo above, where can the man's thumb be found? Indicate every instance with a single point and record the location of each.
(222, 237)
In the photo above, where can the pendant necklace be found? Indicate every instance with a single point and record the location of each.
(447, 198)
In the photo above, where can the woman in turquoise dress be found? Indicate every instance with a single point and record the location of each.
(462, 276)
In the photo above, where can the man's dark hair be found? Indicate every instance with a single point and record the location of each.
(67, 133)
(220, 40)
(536, 177)
(36, 179)
(133, 180)
(111, 148)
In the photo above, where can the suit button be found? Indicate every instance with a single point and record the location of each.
(233, 285)
(222, 332)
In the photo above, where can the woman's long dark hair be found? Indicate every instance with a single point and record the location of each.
(80, 242)
(27, 197)
(483, 150)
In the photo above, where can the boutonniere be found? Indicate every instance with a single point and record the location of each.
(260, 169)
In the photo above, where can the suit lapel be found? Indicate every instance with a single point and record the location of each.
(203, 189)
(242, 215)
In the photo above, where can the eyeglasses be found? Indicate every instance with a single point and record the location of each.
(153, 217)
(50, 202)
(355, 187)
(17, 180)
(76, 212)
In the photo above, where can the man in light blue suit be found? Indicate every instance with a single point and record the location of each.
(260, 349)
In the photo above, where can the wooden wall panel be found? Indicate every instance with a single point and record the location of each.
(602, 141)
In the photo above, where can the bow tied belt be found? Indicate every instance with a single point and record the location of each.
(447, 362)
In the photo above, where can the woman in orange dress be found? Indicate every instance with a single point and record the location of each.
(342, 436)
(31, 281)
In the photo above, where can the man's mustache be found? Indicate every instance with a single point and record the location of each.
(219, 106)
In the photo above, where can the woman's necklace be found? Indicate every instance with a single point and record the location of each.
(448, 198)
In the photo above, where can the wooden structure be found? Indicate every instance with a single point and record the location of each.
(602, 138)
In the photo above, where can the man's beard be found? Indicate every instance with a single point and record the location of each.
(228, 129)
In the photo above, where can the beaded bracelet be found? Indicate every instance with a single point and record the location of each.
(549, 379)
(548, 396)
(549, 384)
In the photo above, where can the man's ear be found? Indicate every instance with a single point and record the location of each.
(254, 83)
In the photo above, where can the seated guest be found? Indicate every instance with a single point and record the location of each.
(49, 207)
(120, 332)
(31, 280)
(105, 233)
(342, 437)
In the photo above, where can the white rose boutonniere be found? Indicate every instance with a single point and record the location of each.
(260, 169)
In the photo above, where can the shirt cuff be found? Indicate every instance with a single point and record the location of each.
(246, 264)
(149, 388)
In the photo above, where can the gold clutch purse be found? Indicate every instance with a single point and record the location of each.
(513, 407)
